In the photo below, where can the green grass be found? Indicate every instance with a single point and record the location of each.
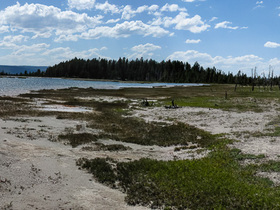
(214, 182)
(212, 96)
(238, 155)
(101, 168)
(76, 139)
(135, 130)
(218, 103)
(270, 166)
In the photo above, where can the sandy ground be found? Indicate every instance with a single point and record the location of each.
(37, 172)
(238, 126)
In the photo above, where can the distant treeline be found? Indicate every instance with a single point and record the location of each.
(151, 71)
(140, 70)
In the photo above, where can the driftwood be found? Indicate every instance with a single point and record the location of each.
(172, 107)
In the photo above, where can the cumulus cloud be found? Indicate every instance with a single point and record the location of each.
(107, 7)
(42, 20)
(125, 29)
(245, 63)
(81, 4)
(153, 7)
(271, 44)
(193, 41)
(145, 50)
(172, 8)
(128, 12)
(181, 22)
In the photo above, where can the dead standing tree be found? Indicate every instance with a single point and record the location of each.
(237, 80)
(254, 76)
(270, 77)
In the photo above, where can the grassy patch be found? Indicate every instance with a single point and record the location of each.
(238, 155)
(270, 166)
(76, 139)
(214, 182)
(100, 167)
(212, 96)
(214, 102)
(135, 130)
(111, 147)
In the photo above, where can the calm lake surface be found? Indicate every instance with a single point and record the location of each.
(15, 86)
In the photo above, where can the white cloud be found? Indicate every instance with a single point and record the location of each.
(10, 42)
(81, 4)
(13, 39)
(225, 24)
(271, 44)
(69, 37)
(213, 19)
(4, 29)
(146, 47)
(193, 41)
(42, 54)
(233, 64)
(145, 50)
(31, 49)
(107, 7)
(128, 12)
(153, 7)
(181, 22)
(172, 8)
(42, 35)
(125, 29)
(44, 20)
(113, 21)
(189, 1)
(259, 4)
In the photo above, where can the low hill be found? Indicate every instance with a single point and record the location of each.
(21, 69)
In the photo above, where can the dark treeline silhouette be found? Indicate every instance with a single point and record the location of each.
(152, 71)
(140, 70)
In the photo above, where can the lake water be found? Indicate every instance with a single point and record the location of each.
(15, 86)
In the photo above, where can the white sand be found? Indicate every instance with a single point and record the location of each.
(36, 173)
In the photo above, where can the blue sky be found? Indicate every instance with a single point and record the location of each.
(230, 35)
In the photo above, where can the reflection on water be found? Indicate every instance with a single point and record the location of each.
(14, 86)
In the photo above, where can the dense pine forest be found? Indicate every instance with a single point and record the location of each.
(139, 70)
(152, 71)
